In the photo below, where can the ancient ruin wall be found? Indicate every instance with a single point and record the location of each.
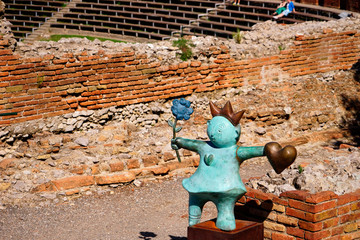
(290, 83)
(42, 87)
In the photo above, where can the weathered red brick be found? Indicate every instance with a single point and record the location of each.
(346, 198)
(337, 230)
(312, 208)
(317, 235)
(150, 160)
(321, 216)
(160, 170)
(331, 222)
(118, 178)
(295, 213)
(290, 221)
(168, 156)
(310, 226)
(296, 194)
(116, 167)
(350, 217)
(321, 197)
(280, 236)
(73, 182)
(132, 163)
(294, 231)
(45, 187)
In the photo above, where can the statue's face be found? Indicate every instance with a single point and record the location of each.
(222, 133)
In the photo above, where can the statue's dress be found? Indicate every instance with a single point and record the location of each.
(218, 175)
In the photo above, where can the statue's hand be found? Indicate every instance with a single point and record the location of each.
(174, 144)
(280, 158)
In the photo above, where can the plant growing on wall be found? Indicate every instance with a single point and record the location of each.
(40, 81)
(185, 47)
(238, 36)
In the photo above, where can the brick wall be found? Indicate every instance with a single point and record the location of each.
(302, 215)
(42, 87)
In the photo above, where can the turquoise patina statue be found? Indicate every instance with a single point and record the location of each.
(217, 177)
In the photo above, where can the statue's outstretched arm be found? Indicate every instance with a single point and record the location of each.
(189, 144)
(244, 153)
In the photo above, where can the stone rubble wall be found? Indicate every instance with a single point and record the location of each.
(5, 29)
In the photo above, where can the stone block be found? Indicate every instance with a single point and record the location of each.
(294, 231)
(291, 221)
(116, 167)
(317, 235)
(161, 170)
(168, 156)
(8, 162)
(150, 161)
(118, 178)
(274, 226)
(132, 163)
(309, 226)
(281, 236)
(73, 182)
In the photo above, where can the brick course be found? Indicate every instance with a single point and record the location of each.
(48, 86)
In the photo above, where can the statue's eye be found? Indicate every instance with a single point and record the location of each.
(221, 127)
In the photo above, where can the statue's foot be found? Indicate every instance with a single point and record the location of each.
(226, 224)
(194, 220)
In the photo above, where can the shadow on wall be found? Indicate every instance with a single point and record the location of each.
(252, 211)
(356, 69)
(351, 120)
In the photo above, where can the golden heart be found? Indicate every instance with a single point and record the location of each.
(280, 158)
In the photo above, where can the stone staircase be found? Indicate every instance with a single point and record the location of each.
(45, 31)
(185, 30)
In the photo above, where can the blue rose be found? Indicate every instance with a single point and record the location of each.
(181, 109)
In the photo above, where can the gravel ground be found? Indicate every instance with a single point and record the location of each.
(156, 210)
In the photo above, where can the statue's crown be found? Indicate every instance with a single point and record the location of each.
(227, 112)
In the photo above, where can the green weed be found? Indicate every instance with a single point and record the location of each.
(238, 36)
(185, 47)
(300, 169)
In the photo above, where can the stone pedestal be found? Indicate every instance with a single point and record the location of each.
(245, 230)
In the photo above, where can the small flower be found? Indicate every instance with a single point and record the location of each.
(181, 109)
